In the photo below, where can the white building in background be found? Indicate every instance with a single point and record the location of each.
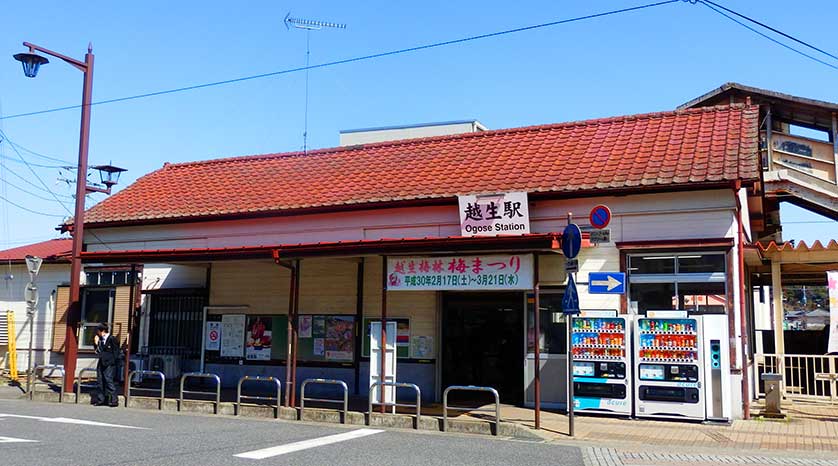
(54, 272)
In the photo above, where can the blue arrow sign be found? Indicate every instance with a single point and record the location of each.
(606, 283)
(571, 241)
(570, 300)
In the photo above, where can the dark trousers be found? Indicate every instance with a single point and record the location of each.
(106, 392)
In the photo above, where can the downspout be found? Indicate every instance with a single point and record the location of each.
(743, 322)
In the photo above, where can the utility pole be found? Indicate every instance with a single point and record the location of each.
(33, 264)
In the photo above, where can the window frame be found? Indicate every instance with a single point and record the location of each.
(84, 325)
(677, 278)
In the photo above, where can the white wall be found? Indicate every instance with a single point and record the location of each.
(11, 298)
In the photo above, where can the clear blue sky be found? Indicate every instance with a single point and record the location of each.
(642, 61)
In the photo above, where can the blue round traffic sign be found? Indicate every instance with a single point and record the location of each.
(571, 241)
(600, 216)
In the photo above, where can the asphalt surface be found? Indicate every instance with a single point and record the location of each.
(53, 434)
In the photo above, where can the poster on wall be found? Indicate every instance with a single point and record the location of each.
(258, 344)
(305, 327)
(318, 347)
(422, 347)
(232, 335)
(832, 278)
(318, 327)
(476, 272)
(340, 334)
(213, 336)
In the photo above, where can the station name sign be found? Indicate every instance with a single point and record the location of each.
(494, 214)
(473, 272)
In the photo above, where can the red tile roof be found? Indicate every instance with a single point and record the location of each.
(668, 150)
(799, 246)
(54, 250)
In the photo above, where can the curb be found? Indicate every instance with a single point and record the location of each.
(318, 415)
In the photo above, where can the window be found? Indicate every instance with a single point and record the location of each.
(553, 334)
(108, 278)
(97, 307)
(693, 282)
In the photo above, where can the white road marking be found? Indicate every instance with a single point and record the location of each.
(306, 444)
(15, 440)
(69, 420)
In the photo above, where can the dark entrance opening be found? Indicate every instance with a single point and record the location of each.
(483, 343)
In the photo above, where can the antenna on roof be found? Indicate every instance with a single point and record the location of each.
(308, 25)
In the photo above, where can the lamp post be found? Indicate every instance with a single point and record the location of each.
(33, 265)
(31, 62)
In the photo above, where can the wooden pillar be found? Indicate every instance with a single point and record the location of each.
(382, 343)
(537, 325)
(290, 334)
(768, 143)
(835, 145)
(359, 323)
(779, 337)
(295, 333)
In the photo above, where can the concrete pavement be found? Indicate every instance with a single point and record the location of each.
(65, 434)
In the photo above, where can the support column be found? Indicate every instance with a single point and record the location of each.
(133, 304)
(295, 333)
(382, 343)
(359, 324)
(835, 145)
(779, 337)
(769, 146)
(537, 325)
(290, 334)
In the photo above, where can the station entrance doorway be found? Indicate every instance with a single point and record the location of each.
(483, 343)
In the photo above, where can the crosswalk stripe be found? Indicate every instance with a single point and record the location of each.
(15, 440)
(306, 444)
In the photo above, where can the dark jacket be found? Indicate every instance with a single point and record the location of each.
(109, 351)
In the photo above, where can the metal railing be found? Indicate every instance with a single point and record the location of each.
(470, 388)
(161, 390)
(395, 385)
(35, 381)
(79, 382)
(339, 383)
(199, 375)
(276, 398)
(805, 376)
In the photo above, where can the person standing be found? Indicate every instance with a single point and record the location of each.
(107, 350)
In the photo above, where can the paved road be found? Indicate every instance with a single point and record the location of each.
(53, 434)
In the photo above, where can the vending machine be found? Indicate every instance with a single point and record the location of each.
(669, 370)
(601, 370)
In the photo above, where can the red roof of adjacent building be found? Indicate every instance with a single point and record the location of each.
(659, 151)
(54, 250)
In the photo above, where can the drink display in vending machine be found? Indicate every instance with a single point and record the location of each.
(668, 367)
(601, 372)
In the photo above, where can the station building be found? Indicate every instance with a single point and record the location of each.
(338, 238)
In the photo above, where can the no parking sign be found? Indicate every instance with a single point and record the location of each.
(213, 339)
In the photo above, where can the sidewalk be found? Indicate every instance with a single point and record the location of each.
(809, 428)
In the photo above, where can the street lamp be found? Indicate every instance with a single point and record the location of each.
(33, 264)
(31, 64)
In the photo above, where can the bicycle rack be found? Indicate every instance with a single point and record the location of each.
(198, 375)
(471, 388)
(417, 406)
(276, 398)
(162, 388)
(340, 383)
(79, 382)
(51, 368)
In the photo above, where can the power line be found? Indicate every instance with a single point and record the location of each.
(78, 180)
(36, 175)
(35, 195)
(38, 154)
(39, 165)
(777, 31)
(30, 210)
(349, 60)
(766, 36)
